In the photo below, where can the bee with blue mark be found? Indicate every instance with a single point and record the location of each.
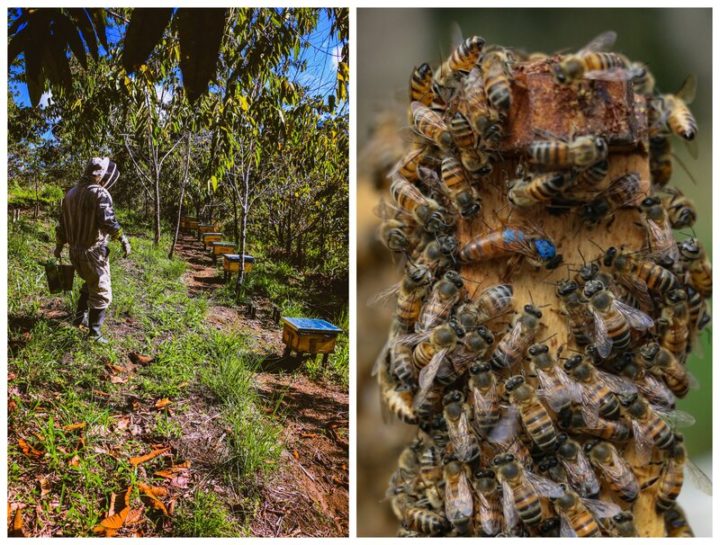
(537, 248)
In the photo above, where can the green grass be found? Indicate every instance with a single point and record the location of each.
(204, 515)
(59, 380)
(48, 194)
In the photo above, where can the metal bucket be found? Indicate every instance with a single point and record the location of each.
(59, 277)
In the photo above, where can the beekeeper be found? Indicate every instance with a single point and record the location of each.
(87, 224)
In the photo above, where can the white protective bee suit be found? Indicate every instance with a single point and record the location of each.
(87, 224)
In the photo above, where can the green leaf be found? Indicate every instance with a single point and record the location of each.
(244, 104)
(214, 182)
(201, 32)
(143, 33)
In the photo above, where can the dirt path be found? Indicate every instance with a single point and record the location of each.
(308, 496)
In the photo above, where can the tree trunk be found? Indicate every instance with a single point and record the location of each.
(182, 195)
(243, 231)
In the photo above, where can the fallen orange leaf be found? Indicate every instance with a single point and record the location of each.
(12, 405)
(114, 379)
(296, 455)
(162, 403)
(140, 359)
(148, 491)
(110, 525)
(159, 491)
(44, 486)
(28, 449)
(17, 525)
(101, 394)
(73, 427)
(133, 517)
(75, 461)
(171, 472)
(137, 460)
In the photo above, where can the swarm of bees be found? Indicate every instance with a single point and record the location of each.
(540, 419)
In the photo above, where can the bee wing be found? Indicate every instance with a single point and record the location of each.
(698, 477)
(381, 360)
(572, 387)
(599, 334)
(552, 391)
(638, 288)
(643, 443)
(692, 147)
(427, 373)
(601, 42)
(483, 402)
(508, 506)
(384, 295)
(582, 475)
(462, 438)
(506, 429)
(429, 319)
(676, 418)
(601, 509)
(656, 391)
(617, 384)
(687, 90)
(636, 318)
(565, 528)
(618, 467)
(614, 74)
(486, 509)
(664, 240)
(458, 500)
(543, 486)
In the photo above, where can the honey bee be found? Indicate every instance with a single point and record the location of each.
(613, 469)
(575, 420)
(591, 58)
(649, 426)
(394, 235)
(576, 514)
(577, 467)
(576, 310)
(430, 352)
(622, 525)
(425, 211)
(513, 345)
(402, 366)
(522, 491)
(438, 253)
(493, 301)
(458, 496)
(410, 294)
(407, 166)
(425, 521)
(680, 209)
(397, 399)
(697, 309)
(421, 84)
(639, 275)
(673, 475)
(642, 79)
(445, 293)
(483, 120)
(680, 119)
(699, 269)
(674, 323)
(589, 180)
(462, 59)
(613, 319)
(534, 416)
(537, 189)
(430, 125)
(660, 236)
(676, 523)
(484, 397)
(457, 415)
(472, 159)
(512, 242)
(660, 161)
(489, 517)
(464, 197)
(598, 389)
(623, 191)
(496, 67)
(580, 153)
(556, 387)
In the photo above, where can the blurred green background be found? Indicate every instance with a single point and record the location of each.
(390, 42)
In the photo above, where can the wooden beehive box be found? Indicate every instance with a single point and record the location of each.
(222, 247)
(231, 263)
(309, 335)
(209, 237)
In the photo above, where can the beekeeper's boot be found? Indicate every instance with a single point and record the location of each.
(96, 319)
(81, 313)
